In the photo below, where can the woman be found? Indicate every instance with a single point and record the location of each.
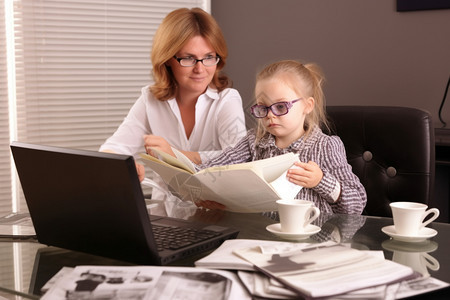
(190, 106)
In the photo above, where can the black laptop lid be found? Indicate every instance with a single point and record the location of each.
(68, 192)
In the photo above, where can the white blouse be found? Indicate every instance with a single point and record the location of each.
(219, 123)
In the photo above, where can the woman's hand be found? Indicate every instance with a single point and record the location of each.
(140, 171)
(308, 175)
(160, 143)
(208, 215)
(154, 141)
(209, 204)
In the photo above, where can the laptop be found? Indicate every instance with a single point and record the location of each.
(92, 202)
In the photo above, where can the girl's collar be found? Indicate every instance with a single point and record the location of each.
(268, 141)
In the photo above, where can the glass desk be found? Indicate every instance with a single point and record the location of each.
(26, 265)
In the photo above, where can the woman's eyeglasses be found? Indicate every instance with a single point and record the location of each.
(190, 61)
(278, 109)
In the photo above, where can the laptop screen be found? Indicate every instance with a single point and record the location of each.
(92, 202)
(85, 200)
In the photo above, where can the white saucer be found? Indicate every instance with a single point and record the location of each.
(424, 234)
(309, 230)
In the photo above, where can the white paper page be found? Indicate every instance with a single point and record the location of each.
(239, 190)
(181, 161)
(327, 271)
(286, 189)
(224, 258)
(259, 285)
(272, 168)
(269, 168)
(184, 159)
(166, 171)
(349, 277)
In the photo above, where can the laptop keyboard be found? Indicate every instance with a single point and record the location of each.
(172, 237)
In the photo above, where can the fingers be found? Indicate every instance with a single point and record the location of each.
(208, 215)
(210, 204)
(148, 143)
(140, 171)
(157, 142)
(308, 175)
(309, 166)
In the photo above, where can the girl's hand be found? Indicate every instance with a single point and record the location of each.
(157, 142)
(308, 175)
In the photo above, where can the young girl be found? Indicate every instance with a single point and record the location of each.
(290, 110)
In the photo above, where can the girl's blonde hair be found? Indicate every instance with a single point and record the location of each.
(308, 79)
(177, 28)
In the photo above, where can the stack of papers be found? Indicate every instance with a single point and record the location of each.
(286, 270)
(268, 269)
(225, 258)
(325, 270)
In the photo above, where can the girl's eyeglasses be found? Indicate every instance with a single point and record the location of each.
(278, 109)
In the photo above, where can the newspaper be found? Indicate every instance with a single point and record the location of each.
(260, 285)
(144, 282)
(225, 258)
(326, 270)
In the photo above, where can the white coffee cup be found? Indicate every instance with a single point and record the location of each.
(296, 215)
(409, 216)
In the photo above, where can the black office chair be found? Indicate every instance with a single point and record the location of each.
(391, 150)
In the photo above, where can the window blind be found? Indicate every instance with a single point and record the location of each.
(80, 65)
(5, 162)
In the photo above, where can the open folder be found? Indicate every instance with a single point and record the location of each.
(245, 187)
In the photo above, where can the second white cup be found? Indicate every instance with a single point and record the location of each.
(408, 217)
(296, 215)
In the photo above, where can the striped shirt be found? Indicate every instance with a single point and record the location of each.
(327, 151)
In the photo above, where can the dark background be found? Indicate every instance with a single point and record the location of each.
(371, 54)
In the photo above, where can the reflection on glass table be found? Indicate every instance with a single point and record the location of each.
(27, 265)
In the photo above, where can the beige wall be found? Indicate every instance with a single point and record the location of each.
(370, 53)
